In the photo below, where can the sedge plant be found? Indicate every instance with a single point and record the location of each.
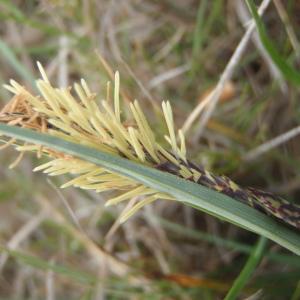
(104, 151)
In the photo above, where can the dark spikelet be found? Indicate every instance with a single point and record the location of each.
(263, 201)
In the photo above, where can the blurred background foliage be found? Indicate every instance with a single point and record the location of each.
(173, 50)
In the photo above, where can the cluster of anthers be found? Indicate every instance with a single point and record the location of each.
(80, 119)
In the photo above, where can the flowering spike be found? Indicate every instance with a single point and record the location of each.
(78, 119)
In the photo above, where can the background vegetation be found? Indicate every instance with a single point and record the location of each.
(174, 50)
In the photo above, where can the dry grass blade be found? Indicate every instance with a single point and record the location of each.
(225, 77)
(269, 145)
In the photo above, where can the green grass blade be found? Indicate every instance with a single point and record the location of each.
(288, 72)
(189, 193)
(296, 294)
(45, 265)
(10, 11)
(11, 58)
(197, 235)
(199, 30)
(248, 269)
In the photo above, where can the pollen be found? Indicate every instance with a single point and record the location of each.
(74, 114)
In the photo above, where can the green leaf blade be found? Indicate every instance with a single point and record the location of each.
(189, 193)
(287, 71)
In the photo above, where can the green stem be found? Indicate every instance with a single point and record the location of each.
(250, 266)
